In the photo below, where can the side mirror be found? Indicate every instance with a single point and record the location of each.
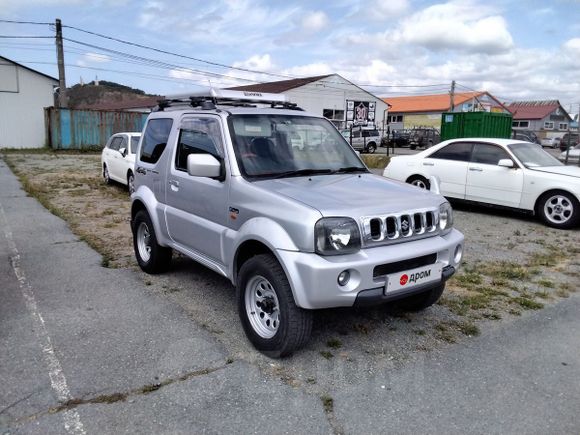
(203, 165)
(123, 151)
(506, 163)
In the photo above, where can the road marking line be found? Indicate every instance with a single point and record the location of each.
(72, 420)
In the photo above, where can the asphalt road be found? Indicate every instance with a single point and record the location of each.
(86, 349)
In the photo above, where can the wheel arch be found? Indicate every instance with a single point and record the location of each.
(551, 191)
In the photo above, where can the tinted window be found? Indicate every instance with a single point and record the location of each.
(134, 144)
(460, 151)
(488, 154)
(116, 143)
(155, 139)
(198, 136)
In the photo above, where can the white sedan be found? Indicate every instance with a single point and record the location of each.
(118, 159)
(502, 172)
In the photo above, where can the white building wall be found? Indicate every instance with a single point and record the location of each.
(332, 93)
(23, 96)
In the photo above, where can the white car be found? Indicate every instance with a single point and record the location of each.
(552, 142)
(118, 159)
(573, 155)
(502, 172)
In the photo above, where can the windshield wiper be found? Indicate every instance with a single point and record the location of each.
(349, 169)
(294, 173)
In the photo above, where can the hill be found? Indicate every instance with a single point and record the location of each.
(104, 94)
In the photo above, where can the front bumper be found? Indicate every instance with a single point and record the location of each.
(314, 278)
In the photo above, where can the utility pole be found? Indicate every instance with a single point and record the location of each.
(452, 97)
(62, 97)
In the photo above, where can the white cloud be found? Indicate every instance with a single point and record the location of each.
(314, 22)
(97, 58)
(384, 9)
(457, 25)
(257, 62)
(573, 45)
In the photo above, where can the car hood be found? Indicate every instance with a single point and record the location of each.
(353, 195)
(571, 171)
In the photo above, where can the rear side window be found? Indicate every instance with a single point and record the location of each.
(155, 139)
(460, 151)
(488, 154)
(116, 143)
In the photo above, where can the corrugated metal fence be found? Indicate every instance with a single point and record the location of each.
(71, 129)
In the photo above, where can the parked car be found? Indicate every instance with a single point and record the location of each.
(423, 137)
(365, 140)
(397, 138)
(118, 159)
(551, 142)
(526, 136)
(573, 155)
(294, 230)
(501, 172)
(569, 139)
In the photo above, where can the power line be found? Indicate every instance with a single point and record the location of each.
(25, 22)
(25, 37)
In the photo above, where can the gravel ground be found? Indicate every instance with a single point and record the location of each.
(512, 264)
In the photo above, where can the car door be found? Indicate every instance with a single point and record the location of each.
(449, 164)
(196, 210)
(112, 156)
(487, 182)
(118, 166)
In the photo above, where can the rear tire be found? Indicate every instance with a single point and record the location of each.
(152, 257)
(270, 318)
(419, 181)
(371, 148)
(423, 300)
(130, 182)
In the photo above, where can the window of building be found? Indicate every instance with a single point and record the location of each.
(521, 124)
(395, 118)
(333, 114)
(548, 125)
(563, 126)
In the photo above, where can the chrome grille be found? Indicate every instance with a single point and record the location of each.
(398, 227)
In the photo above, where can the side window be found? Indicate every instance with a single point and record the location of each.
(123, 143)
(134, 144)
(460, 151)
(488, 154)
(155, 139)
(116, 143)
(198, 136)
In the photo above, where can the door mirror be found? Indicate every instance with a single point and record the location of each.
(506, 163)
(203, 165)
(123, 151)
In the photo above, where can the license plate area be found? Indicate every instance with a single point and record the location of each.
(411, 278)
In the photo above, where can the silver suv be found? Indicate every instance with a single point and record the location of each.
(365, 140)
(295, 228)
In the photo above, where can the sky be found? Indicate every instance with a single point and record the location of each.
(516, 50)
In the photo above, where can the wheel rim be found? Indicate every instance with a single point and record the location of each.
(558, 209)
(144, 242)
(419, 183)
(131, 183)
(262, 307)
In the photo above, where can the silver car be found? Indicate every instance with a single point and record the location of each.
(295, 225)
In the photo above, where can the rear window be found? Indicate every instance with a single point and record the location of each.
(155, 139)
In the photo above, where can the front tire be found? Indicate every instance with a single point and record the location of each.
(269, 315)
(419, 181)
(152, 257)
(559, 209)
(106, 175)
(423, 300)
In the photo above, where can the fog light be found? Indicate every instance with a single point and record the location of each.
(343, 278)
(458, 254)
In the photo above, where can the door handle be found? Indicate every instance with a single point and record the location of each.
(428, 164)
(174, 183)
(476, 169)
(141, 170)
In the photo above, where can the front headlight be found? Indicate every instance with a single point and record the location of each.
(336, 236)
(445, 217)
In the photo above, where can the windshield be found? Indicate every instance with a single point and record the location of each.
(532, 156)
(134, 144)
(277, 146)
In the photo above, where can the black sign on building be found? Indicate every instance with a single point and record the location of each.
(359, 113)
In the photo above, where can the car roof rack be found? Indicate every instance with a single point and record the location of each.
(209, 98)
